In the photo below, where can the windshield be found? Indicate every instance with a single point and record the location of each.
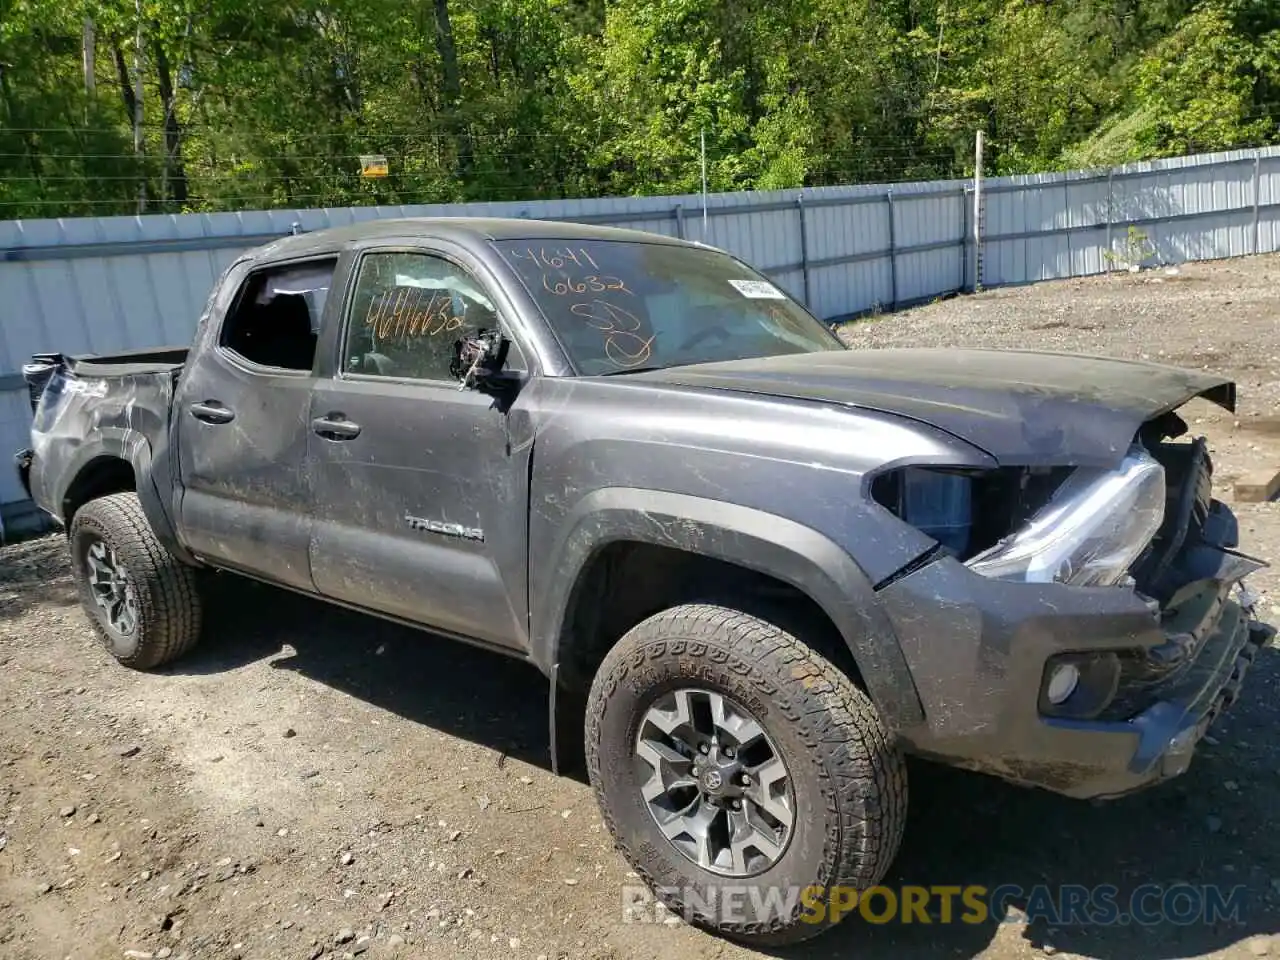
(618, 306)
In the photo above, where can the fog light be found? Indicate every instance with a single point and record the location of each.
(1062, 683)
(1079, 685)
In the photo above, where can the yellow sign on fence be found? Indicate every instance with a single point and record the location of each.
(373, 166)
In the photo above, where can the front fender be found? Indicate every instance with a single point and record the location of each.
(768, 544)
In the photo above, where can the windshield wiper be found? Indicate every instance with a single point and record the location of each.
(618, 373)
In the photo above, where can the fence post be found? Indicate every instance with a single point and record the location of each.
(966, 238)
(977, 213)
(804, 252)
(1111, 217)
(679, 214)
(893, 253)
(1257, 191)
(1066, 232)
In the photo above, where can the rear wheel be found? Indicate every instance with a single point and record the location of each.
(142, 601)
(742, 774)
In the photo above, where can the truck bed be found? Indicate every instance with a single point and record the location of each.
(106, 365)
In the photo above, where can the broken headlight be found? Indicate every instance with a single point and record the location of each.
(1089, 532)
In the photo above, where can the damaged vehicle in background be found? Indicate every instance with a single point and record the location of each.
(758, 568)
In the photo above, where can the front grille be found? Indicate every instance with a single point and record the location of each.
(1183, 572)
(1188, 625)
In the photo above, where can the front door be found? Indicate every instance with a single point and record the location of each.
(242, 407)
(420, 493)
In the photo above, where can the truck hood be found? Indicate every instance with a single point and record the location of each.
(1020, 406)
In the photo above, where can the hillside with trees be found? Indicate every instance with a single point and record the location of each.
(175, 105)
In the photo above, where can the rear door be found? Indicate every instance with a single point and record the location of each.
(242, 409)
(421, 489)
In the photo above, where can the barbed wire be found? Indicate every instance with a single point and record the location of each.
(189, 128)
(430, 171)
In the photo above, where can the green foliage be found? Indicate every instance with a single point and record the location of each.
(1192, 91)
(1135, 250)
(269, 103)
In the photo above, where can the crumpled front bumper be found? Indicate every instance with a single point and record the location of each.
(977, 650)
(1170, 729)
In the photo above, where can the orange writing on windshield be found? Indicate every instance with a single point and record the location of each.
(592, 283)
(573, 273)
(556, 257)
(624, 346)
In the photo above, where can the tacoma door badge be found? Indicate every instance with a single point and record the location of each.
(455, 530)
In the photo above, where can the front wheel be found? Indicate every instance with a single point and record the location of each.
(142, 601)
(742, 774)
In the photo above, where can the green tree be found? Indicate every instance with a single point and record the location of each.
(268, 103)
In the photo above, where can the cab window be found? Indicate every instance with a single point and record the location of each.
(276, 318)
(408, 312)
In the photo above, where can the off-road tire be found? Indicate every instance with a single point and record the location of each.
(166, 590)
(850, 780)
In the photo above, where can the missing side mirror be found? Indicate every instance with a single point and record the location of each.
(478, 358)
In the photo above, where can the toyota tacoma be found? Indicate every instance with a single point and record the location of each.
(757, 567)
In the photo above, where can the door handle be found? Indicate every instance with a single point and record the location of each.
(211, 411)
(335, 427)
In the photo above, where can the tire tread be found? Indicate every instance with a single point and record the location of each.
(169, 607)
(837, 720)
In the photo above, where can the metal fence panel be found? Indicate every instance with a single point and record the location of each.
(867, 282)
(851, 229)
(1267, 231)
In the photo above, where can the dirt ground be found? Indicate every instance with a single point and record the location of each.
(311, 782)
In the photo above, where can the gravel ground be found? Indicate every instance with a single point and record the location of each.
(311, 782)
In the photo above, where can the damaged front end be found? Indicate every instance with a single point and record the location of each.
(1093, 621)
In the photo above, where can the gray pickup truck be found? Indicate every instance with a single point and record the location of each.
(757, 567)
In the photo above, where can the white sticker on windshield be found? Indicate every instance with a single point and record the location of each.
(758, 290)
